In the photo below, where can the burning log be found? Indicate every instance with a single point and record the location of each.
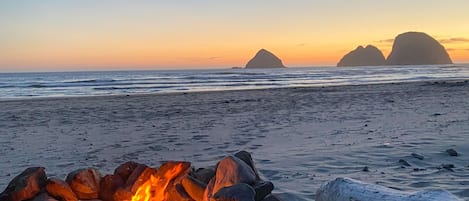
(26, 185)
(108, 186)
(348, 189)
(146, 183)
(168, 180)
(60, 189)
(137, 175)
(194, 187)
(85, 183)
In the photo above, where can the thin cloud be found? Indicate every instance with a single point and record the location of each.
(390, 40)
(455, 40)
(301, 45)
(214, 58)
(455, 49)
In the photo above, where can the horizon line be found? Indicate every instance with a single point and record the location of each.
(201, 69)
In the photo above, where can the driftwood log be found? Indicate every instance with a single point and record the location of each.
(345, 189)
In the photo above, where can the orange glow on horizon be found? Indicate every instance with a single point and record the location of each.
(66, 35)
(147, 54)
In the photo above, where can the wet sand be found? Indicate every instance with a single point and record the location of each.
(299, 137)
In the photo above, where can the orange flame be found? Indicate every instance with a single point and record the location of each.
(155, 188)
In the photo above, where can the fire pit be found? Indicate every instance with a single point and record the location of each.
(233, 178)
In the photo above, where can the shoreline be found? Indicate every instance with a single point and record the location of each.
(227, 90)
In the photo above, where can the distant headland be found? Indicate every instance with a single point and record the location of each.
(410, 48)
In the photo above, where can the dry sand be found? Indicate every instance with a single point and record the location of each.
(299, 137)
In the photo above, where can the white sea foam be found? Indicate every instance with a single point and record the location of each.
(21, 85)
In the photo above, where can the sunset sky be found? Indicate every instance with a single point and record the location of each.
(45, 35)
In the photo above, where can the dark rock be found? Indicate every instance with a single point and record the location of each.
(60, 189)
(204, 174)
(271, 198)
(419, 169)
(263, 188)
(265, 59)
(26, 185)
(230, 171)
(122, 194)
(179, 193)
(366, 169)
(452, 152)
(208, 193)
(416, 48)
(247, 158)
(448, 166)
(368, 56)
(238, 192)
(108, 187)
(417, 156)
(126, 169)
(85, 183)
(43, 197)
(404, 162)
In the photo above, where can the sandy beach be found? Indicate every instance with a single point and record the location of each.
(299, 137)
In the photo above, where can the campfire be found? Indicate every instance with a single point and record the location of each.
(233, 178)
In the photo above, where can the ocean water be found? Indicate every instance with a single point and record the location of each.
(65, 84)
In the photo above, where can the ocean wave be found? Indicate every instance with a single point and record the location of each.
(94, 83)
(131, 88)
(6, 86)
(37, 86)
(91, 81)
(238, 73)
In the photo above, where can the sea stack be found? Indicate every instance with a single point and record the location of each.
(265, 59)
(368, 56)
(416, 48)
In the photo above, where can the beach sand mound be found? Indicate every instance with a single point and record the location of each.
(368, 56)
(416, 48)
